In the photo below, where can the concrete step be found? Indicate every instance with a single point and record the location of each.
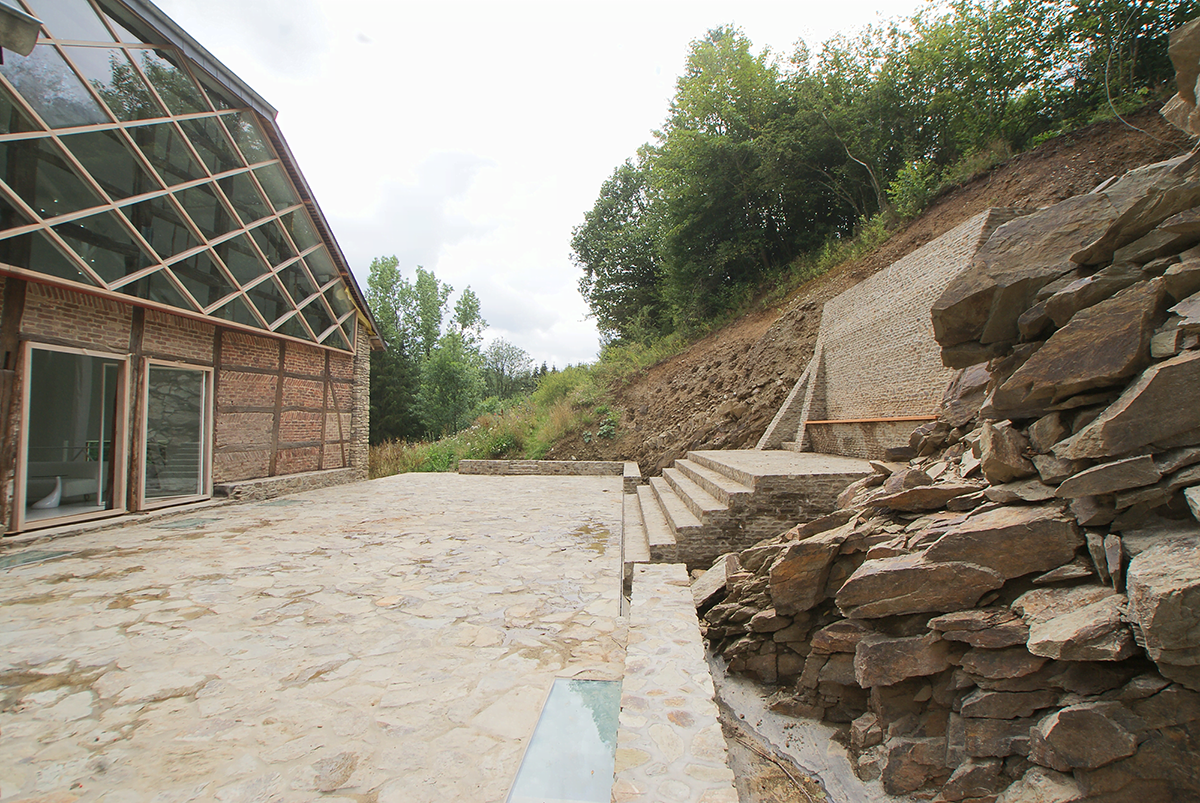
(724, 488)
(678, 517)
(660, 537)
(703, 505)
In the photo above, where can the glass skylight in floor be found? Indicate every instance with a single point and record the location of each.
(570, 756)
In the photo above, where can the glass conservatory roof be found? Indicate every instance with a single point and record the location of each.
(126, 169)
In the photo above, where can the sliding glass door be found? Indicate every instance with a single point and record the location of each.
(73, 455)
(177, 426)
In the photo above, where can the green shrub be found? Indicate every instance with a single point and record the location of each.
(912, 188)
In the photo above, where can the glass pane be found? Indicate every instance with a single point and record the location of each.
(270, 300)
(297, 283)
(40, 174)
(70, 19)
(176, 441)
(207, 211)
(125, 35)
(12, 119)
(109, 72)
(337, 339)
(11, 216)
(159, 223)
(293, 328)
(157, 287)
(302, 231)
(72, 422)
(210, 141)
(322, 266)
(109, 159)
(174, 85)
(105, 245)
(572, 751)
(248, 137)
(240, 258)
(167, 153)
(53, 89)
(34, 251)
(244, 196)
(339, 299)
(317, 317)
(217, 95)
(273, 244)
(202, 278)
(237, 312)
(277, 186)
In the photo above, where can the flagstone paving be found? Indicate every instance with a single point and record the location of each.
(390, 641)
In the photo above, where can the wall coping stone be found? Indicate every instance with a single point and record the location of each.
(581, 468)
(669, 740)
(259, 488)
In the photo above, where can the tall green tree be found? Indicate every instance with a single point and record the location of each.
(617, 247)
(424, 316)
(451, 386)
(507, 369)
(467, 320)
(395, 373)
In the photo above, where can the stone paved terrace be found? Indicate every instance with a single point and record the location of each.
(389, 640)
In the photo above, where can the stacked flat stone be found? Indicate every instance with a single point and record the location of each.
(1011, 610)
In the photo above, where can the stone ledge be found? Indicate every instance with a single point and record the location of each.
(581, 468)
(669, 742)
(271, 487)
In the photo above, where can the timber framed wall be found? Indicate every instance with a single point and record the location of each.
(154, 223)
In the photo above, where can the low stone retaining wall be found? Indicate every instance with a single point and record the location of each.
(271, 487)
(558, 468)
(669, 742)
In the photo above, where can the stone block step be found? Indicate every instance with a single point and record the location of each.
(724, 488)
(750, 467)
(679, 518)
(660, 538)
(702, 504)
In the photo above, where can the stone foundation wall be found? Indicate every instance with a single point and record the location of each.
(868, 440)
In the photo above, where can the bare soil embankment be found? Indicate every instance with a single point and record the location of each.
(722, 391)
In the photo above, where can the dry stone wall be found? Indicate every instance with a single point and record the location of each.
(1013, 614)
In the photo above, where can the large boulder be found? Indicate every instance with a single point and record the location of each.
(1002, 453)
(881, 660)
(1095, 632)
(800, 572)
(983, 302)
(1085, 736)
(1100, 347)
(1148, 411)
(1107, 478)
(965, 395)
(1012, 541)
(912, 584)
(992, 628)
(1158, 191)
(1163, 583)
(1007, 704)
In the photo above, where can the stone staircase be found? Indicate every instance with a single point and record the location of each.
(713, 502)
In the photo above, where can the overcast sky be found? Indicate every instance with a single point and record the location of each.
(471, 137)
